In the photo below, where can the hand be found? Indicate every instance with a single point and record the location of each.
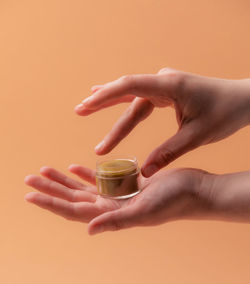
(207, 110)
(166, 196)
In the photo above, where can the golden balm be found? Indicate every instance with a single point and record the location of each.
(117, 178)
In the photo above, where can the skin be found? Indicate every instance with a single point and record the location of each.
(207, 110)
(166, 196)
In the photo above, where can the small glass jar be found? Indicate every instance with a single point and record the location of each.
(117, 177)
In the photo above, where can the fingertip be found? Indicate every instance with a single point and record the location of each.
(73, 167)
(92, 225)
(29, 178)
(99, 147)
(30, 196)
(78, 109)
(94, 230)
(90, 231)
(148, 171)
(99, 152)
(45, 170)
(144, 173)
(102, 148)
(95, 88)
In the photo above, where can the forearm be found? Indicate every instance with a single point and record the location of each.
(233, 99)
(229, 196)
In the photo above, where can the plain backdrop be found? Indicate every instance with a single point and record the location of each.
(51, 53)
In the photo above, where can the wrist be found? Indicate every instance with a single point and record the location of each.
(248, 99)
(244, 92)
(231, 197)
(201, 204)
(205, 193)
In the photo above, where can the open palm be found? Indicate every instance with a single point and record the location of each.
(166, 196)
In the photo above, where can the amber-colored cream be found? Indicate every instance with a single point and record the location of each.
(117, 178)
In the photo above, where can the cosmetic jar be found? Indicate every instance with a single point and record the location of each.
(117, 177)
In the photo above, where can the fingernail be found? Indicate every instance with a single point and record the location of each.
(94, 87)
(29, 196)
(79, 106)
(73, 165)
(27, 178)
(97, 230)
(99, 146)
(150, 170)
(88, 99)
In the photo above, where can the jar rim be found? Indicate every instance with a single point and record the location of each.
(116, 157)
(98, 175)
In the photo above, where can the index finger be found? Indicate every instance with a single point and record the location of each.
(138, 85)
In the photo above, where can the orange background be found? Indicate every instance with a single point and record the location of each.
(51, 53)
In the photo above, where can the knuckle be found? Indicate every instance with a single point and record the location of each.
(177, 79)
(116, 224)
(74, 213)
(66, 180)
(173, 78)
(71, 213)
(51, 185)
(128, 80)
(73, 196)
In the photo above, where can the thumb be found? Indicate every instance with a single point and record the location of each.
(113, 220)
(184, 140)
